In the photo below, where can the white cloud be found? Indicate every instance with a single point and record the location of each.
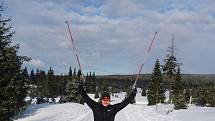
(37, 62)
(111, 33)
(89, 10)
(119, 8)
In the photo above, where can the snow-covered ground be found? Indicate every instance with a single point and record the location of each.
(133, 112)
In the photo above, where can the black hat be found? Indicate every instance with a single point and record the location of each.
(105, 94)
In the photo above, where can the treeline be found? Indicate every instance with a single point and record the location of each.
(49, 85)
(198, 88)
(192, 79)
(201, 93)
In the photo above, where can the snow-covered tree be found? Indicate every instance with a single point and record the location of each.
(13, 83)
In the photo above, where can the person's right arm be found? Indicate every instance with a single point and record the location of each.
(91, 103)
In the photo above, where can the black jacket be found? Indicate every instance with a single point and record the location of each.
(102, 113)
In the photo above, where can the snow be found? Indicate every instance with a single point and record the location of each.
(133, 112)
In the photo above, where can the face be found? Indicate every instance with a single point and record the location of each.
(105, 102)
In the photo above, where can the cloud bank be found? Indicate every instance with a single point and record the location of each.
(112, 36)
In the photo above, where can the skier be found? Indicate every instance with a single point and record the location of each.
(104, 111)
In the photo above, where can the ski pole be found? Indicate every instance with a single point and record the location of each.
(74, 48)
(145, 58)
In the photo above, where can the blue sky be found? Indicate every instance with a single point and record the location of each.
(112, 36)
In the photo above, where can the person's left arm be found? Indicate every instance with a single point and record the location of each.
(125, 102)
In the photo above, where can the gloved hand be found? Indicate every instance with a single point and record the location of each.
(135, 90)
(80, 81)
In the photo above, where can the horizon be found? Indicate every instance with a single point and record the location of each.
(112, 37)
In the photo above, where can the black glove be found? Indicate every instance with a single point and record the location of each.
(135, 90)
(79, 82)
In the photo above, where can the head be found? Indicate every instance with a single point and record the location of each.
(105, 99)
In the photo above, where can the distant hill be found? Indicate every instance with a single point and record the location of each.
(191, 77)
(124, 80)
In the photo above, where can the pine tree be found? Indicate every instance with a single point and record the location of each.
(32, 86)
(202, 95)
(103, 87)
(37, 76)
(87, 82)
(170, 71)
(70, 71)
(74, 72)
(23, 88)
(178, 93)
(187, 95)
(143, 92)
(32, 78)
(42, 84)
(12, 81)
(91, 83)
(96, 94)
(206, 95)
(72, 89)
(155, 92)
(51, 90)
(211, 95)
(25, 74)
(169, 68)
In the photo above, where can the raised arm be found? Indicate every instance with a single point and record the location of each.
(125, 102)
(91, 103)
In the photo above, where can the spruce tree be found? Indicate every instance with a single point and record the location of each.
(74, 72)
(211, 96)
(207, 95)
(51, 90)
(70, 71)
(87, 82)
(187, 95)
(155, 92)
(202, 96)
(12, 81)
(32, 86)
(91, 83)
(169, 69)
(178, 93)
(96, 94)
(94, 81)
(32, 78)
(42, 84)
(143, 92)
(72, 93)
(103, 87)
(26, 75)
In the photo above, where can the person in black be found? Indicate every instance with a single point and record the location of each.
(104, 111)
